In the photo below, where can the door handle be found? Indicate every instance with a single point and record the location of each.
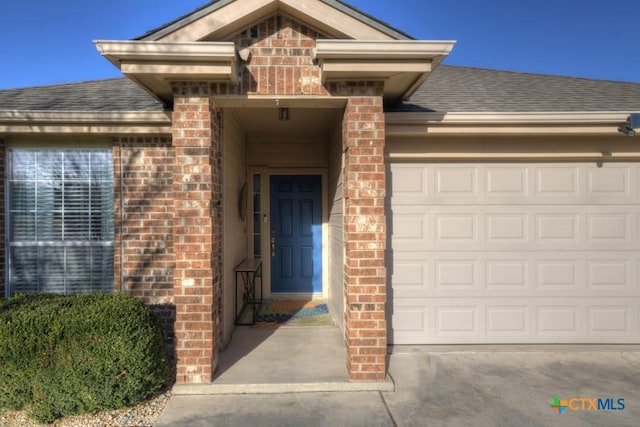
(273, 244)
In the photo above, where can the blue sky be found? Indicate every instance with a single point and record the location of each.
(44, 42)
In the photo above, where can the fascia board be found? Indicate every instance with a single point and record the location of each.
(335, 21)
(382, 49)
(406, 124)
(533, 118)
(85, 129)
(119, 50)
(221, 17)
(368, 19)
(82, 122)
(184, 21)
(84, 116)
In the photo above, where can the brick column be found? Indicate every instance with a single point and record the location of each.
(195, 293)
(365, 238)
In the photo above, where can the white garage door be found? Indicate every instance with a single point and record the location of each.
(515, 253)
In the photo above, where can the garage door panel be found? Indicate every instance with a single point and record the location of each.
(409, 182)
(455, 182)
(557, 181)
(545, 320)
(506, 227)
(411, 320)
(452, 226)
(456, 275)
(508, 321)
(514, 253)
(457, 320)
(510, 181)
(502, 275)
(514, 274)
(410, 227)
(613, 183)
(609, 226)
(590, 227)
(410, 275)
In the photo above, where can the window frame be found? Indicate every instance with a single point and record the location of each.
(63, 242)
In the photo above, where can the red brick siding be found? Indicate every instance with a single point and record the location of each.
(143, 202)
(197, 274)
(144, 183)
(365, 274)
(281, 61)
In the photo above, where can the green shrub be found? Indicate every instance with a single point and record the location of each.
(67, 355)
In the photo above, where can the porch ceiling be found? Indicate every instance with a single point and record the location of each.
(302, 120)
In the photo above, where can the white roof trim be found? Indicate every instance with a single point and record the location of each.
(118, 50)
(383, 49)
(407, 124)
(507, 118)
(82, 122)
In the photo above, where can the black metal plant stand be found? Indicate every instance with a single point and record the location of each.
(246, 274)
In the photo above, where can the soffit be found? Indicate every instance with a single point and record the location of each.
(155, 65)
(403, 65)
(302, 120)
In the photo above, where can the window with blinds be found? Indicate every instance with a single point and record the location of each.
(60, 221)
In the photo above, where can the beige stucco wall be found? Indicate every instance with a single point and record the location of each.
(336, 220)
(288, 150)
(235, 230)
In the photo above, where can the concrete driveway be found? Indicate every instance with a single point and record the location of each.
(450, 388)
(507, 388)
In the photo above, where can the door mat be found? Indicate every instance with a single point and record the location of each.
(294, 313)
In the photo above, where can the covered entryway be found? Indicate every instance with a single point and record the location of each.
(515, 252)
(291, 170)
(269, 89)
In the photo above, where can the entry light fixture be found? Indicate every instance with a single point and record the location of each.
(633, 123)
(284, 115)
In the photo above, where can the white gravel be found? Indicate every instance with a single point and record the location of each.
(144, 414)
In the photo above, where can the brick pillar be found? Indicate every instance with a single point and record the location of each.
(365, 238)
(195, 293)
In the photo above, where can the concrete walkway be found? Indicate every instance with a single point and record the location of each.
(282, 360)
(436, 386)
(275, 355)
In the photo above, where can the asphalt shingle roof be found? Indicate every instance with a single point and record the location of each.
(448, 89)
(464, 89)
(98, 95)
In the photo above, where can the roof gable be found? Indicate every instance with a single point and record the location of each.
(344, 45)
(222, 18)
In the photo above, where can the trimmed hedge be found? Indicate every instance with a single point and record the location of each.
(67, 355)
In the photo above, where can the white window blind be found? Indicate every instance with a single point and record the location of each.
(60, 221)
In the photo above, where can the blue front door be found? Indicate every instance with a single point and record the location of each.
(296, 233)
